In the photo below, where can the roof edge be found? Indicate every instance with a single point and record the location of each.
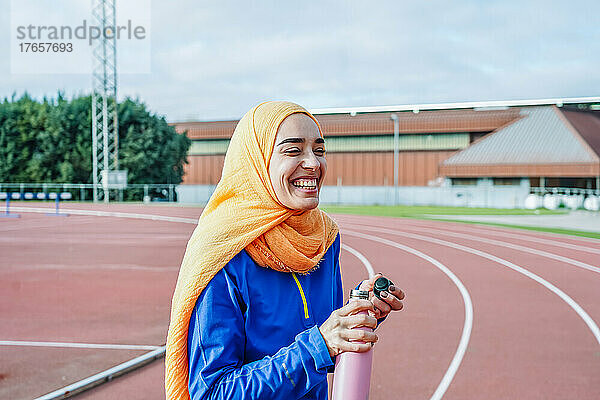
(558, 101)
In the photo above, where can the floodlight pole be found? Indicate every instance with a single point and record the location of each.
(394, 118)
(105, 126)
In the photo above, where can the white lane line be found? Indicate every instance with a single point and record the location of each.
(77, 345)
(361, 257)
(109, 214)
(528, 232)
(532, 239)
(488, 228)
(542, 253)
(525, 249)
(572, 303)
(468, 324)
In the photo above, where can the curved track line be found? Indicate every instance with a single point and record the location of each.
(536, 240)
(528, 232)
(468, 325)
(361, 257)
(152, 217)
(492, 228)
(109, 214)
(572, 303)
(525, 249)
(542, 253)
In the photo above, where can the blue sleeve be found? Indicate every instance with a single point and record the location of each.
(216, 342)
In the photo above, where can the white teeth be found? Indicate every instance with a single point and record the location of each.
(305, 183)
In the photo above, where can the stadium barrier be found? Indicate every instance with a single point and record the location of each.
(462, 196)
(57, 198)
(84, 191)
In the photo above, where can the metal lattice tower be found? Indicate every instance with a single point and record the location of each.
(105, 125)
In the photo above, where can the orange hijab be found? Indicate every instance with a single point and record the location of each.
(243, 212)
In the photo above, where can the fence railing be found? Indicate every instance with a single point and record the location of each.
(84, 191)
(497, 196)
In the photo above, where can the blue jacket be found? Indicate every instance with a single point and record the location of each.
(254, 331)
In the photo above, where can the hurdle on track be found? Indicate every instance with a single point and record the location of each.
(7, 213)
(57, 197)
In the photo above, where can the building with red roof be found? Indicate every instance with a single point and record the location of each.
(527, 144)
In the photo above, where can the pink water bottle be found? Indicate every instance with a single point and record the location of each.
(352, 377)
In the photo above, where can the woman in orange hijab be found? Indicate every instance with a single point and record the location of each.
(257, 310)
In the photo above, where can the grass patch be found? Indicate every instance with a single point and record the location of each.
(429, 212)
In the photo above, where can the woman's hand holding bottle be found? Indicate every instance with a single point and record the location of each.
(339, 333)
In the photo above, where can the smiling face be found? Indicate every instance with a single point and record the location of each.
(297, 166)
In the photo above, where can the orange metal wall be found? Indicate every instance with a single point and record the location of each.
(509, 170)
(203, 170)
(416, 168)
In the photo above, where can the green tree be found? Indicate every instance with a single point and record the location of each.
(149, 148)
(50, 141)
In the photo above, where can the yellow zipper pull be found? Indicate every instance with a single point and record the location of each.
(302, 295)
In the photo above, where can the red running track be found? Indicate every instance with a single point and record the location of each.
(98, 279)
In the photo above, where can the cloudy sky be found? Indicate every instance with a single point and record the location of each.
(216, 59)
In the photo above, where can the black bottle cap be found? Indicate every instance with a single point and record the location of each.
(381, 284)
